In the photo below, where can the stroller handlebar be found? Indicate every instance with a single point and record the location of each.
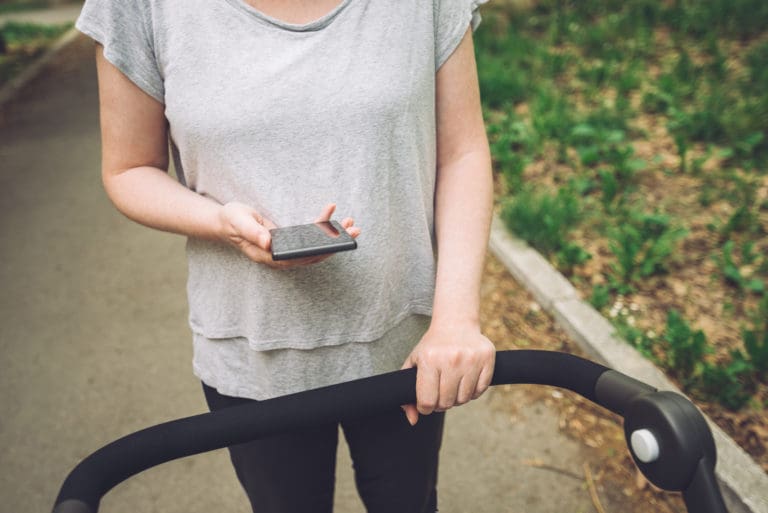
(668, 437)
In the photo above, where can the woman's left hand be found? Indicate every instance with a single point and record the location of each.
(454, 365)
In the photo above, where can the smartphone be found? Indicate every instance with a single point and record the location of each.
(309, 240)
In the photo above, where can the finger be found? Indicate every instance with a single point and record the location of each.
(467, 387)
(349, 225)
(255, 253)
(411, 413)
(305, 260)
(267, 223)
(483, 381)
(326, 213)
(449, 387)
(427, 389)
(299, 262)
(410, 362)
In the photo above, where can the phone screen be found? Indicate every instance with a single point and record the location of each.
(309, 240)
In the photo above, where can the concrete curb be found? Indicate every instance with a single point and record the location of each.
(13, 86)
(743, 482)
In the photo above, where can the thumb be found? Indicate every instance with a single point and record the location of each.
(326, 213)
(255, 232)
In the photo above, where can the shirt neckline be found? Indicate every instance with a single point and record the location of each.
(315, 25)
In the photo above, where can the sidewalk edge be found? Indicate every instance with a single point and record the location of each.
(9, 91)
(742, 481)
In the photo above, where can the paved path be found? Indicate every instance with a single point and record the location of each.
(94, 342)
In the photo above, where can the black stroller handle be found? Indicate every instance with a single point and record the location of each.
(668, 437)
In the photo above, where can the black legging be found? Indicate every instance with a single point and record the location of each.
(395, 464)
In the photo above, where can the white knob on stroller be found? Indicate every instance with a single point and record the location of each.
(645, 445)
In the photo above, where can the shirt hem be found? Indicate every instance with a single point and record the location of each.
(231, 391)
(331, 340)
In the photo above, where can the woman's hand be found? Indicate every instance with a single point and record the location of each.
(454, 365)
(247, 230)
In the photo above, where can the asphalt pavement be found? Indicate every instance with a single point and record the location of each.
(94, 342)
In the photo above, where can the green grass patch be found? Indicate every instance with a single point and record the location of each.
(570, 88)
(21, 43)
(12, 6)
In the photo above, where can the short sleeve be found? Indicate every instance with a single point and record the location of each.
(452, 18)
(124, 29)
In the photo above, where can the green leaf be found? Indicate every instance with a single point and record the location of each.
(589, 154)
(727, 153)
(583, 131)
(615, 136)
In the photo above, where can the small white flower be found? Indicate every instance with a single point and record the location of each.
(631, 320)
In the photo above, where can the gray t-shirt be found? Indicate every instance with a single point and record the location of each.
(287, 118)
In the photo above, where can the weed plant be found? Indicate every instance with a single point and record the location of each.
(646, 345)
(543, 219)
(685, 348)
(756, 340)
(733, 273)
(601, 296)
(729, 383)
(513, 144)
(641, 245)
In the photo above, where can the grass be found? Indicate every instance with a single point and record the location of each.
(21, 43)
(631, 143)
(12, 6)
(641, 244)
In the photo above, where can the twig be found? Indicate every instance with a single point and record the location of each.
(592, 489)
(540, 464)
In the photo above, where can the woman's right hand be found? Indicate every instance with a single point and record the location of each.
(247, 230)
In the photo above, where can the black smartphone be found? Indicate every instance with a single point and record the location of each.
(309, 240)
